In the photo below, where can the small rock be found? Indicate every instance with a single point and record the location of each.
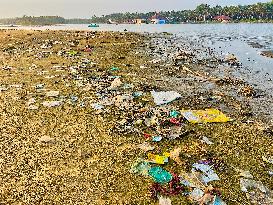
(46, 139)
(207, 141)
(116, 84)
(31, 101)
(39, 86)
(53, 93)
(164, 201)
(52, 103)
(33, 107)
(146, 147)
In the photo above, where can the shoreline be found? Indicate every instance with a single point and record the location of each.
(82, 151)
(185, 23)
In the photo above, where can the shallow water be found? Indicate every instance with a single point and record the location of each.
(260, 34)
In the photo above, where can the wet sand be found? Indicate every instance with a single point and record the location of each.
(75, 154)
(268, 54)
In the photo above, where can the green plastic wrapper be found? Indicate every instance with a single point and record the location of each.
(141, 167)
(160, 175)
(114, 69)
(174, 113)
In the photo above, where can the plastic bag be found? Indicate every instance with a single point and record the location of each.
(157, 159)
(141, 167)
(161, 98)
(205, 116)
(160, 175)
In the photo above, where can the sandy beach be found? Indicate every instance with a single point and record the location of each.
(77, 112)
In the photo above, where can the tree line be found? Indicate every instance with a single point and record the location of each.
(260, 12)
(203, 12)
(32, 20)
(43, 20)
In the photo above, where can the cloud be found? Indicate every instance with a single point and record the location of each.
(87, 8)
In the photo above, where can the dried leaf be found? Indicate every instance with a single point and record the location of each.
(174, 155)
(164, 201)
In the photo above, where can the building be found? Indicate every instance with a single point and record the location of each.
(140, 21)
(222, 18)
(111, 22)
(157, 19)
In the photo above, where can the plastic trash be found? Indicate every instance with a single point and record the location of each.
(205, 116)
(160, 175)
(161, 98)
(127, 86)
(193, 180)
(137, 94)
(174, 187)
(17, 86)
(218, 201)
(97, 106)
(205, 195)
(256, 192)
(164, 201)
(141, 167)
(174, 114)
(247, 184)
(114, 69)
(197, 194)
(53, 93)
(210, 199)
(52, 103)
(175, 121)
(208, 173)
(157, 159)
(245, 174)
(206, 141)
(157, 138)
(114, 76)
(147, 136)
(74, 99)
(72, 53)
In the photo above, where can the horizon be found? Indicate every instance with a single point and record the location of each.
(83, 8)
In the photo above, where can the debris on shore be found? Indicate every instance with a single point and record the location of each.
(130, 121)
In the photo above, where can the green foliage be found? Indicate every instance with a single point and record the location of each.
(260, 12)
(31, 20)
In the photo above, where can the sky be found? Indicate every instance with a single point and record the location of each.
(88, 8)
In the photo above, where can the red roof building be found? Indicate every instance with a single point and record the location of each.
(222, 18)
(156, 16)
